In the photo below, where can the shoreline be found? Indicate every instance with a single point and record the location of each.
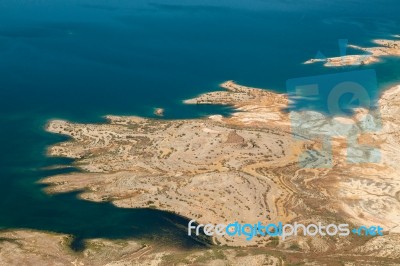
(385, 48)
(257, 109)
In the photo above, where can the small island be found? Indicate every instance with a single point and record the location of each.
(159, 112)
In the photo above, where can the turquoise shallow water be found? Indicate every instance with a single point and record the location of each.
(80, 60)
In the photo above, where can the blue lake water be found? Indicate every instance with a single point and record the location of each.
(80, 60)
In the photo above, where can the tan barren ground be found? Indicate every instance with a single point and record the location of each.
(246, 168)
(372, 54)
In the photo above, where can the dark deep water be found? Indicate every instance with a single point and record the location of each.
(80, 60)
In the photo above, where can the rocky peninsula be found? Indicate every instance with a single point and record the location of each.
(371, 54)
(245, 168)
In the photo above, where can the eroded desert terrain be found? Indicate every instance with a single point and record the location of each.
(246, 168)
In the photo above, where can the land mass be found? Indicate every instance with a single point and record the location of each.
(246, 168)
(371, 55)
